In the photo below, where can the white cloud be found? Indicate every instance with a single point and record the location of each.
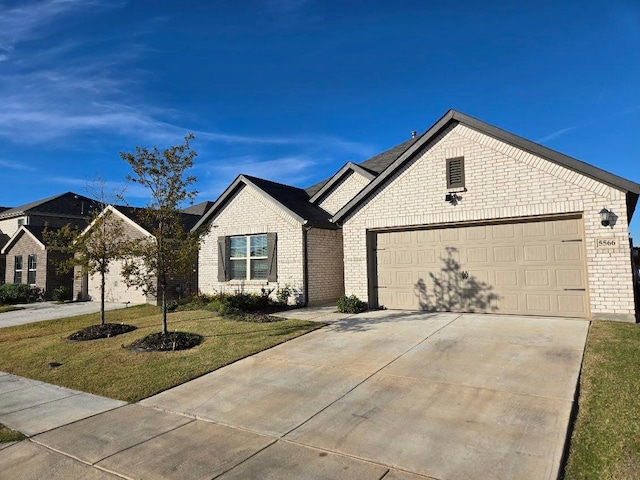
(16, 165)
(556, 134)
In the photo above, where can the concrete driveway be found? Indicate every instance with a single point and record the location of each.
(391, 395)
(41, 311)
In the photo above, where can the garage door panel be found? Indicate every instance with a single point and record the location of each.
(572, 304)
(535, 253)
(570, 278)
(568, 251)
(534, 268)
(504, 254)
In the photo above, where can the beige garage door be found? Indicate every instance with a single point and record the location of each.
(530, 268)
(116, 289)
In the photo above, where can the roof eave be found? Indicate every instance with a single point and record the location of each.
(454, 117)
(230, 190)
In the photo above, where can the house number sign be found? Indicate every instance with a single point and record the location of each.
(606, 243)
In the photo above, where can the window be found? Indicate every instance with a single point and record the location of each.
(31, 265)
(455, 172)
(20, 222)
(17, 269)
(247, 257)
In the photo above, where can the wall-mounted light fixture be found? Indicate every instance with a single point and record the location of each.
(605, 217)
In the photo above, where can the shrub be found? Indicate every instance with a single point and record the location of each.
(12, 293)
(284, 293)
(351, 304)
(62, 294)
(172, 305)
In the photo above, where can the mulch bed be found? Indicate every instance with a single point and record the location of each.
(158, 342)
(95, 332)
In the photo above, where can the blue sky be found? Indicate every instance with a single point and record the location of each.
(290, 90)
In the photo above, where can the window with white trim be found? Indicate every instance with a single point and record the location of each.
(247, 257)
(17, 269)
(31, 265)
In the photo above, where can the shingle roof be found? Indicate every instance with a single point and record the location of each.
(375, 165)
(135, 214)
(295, 199)
(66, 204)
(198, 209)
(2, 209)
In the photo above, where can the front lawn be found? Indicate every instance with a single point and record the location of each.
(103, 367)
(606, 439)
(8, 435)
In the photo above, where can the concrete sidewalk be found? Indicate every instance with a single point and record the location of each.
(393, 395)
(42, 311)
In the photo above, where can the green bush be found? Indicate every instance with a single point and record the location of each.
(12, 293)
(284, 293)
(62, 294)
(351, 304)
(172, 305)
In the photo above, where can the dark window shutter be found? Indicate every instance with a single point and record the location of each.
(272, 276)
(455, 172)
(224, 273)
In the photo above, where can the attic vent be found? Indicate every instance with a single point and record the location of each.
(455, 172)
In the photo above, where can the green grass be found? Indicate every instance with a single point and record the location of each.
(103, 367)
(606, 439)
(9, 308)
(8, 435)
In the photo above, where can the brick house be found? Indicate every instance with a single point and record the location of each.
(465, 217)
(116, 290)
(30, 261)
(56, 211)
(269, 235)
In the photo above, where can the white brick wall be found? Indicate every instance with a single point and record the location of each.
(502, 182)
(249, 212)
(326, 272)
(343, 191)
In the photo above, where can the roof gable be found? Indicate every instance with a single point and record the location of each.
(453, 117)
(35, 232)
(337, 177)
(292, 200)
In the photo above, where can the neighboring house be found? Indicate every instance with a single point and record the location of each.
(116, 289)
(465, 218)
(31, 263)
(56, 211)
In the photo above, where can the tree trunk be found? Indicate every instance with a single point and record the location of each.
(164, 309)
(102, 284)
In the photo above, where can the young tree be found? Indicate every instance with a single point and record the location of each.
(94, 248)
(171, 251)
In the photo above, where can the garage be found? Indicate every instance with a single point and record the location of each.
(115, 290)
(526, 267)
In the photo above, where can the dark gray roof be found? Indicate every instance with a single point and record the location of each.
(2, 209)
(136, 214)
(380, 162)
(199, 208)
(295, 199)
(66, 204)
(375, 165)
(453, 117)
